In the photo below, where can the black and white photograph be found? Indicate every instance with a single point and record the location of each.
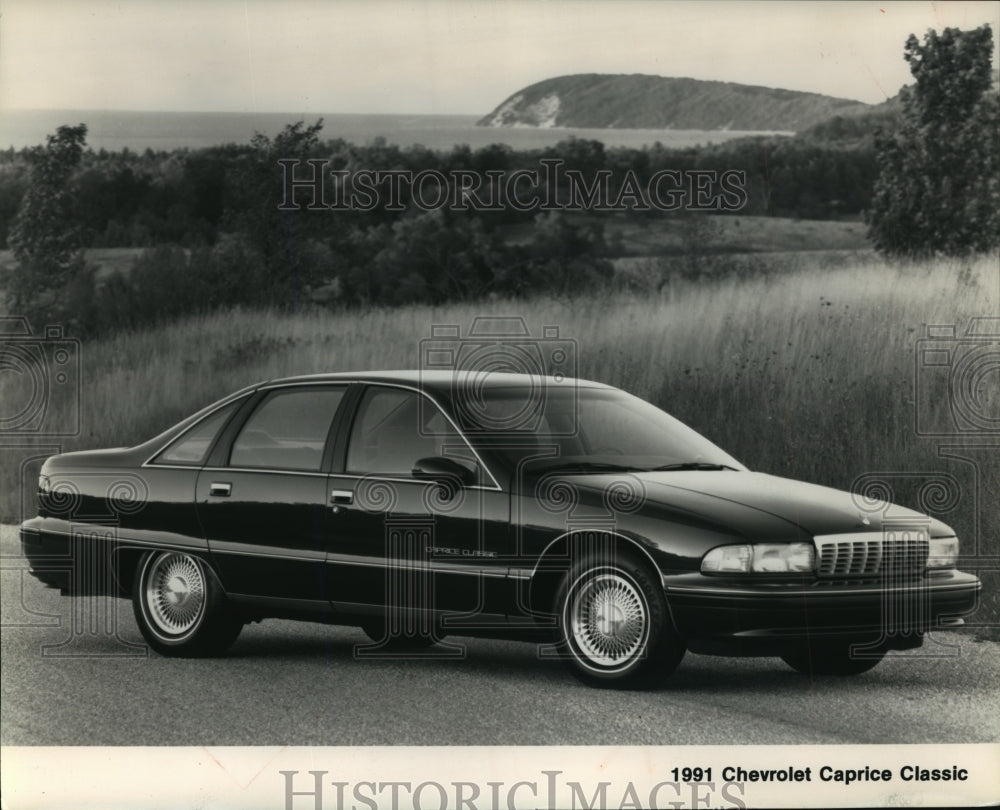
(482, 405)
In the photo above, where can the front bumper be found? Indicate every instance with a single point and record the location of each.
(736, 616)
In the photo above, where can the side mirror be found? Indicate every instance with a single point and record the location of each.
(444, 470)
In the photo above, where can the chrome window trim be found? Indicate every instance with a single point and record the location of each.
(269, 387)
(266, 470)
(149, 462)
(398, 480)
(496, 486)
(354, 476)
(266, 389)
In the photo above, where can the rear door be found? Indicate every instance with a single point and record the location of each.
(263, 501)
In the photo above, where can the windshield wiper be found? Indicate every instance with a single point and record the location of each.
(691, 465)
(584, 467)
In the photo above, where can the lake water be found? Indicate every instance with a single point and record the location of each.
(138, 131)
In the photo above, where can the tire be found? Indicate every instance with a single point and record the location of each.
(830, 659)
(180, 607)
(615, 629)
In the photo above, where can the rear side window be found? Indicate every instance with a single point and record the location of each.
(288, 430)
(192, 447)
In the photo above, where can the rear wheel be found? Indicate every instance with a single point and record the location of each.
(615, 628)
(180, 608)
(835, 658)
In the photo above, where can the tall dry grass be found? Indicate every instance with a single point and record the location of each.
(810, 374)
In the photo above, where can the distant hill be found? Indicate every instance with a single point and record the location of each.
(655, 102)
(857, 127)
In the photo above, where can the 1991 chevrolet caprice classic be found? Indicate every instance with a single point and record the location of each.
(422, 504)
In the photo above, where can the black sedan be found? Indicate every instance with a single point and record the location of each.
(417, 505)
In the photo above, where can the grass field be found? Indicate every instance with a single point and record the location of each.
(811, 373)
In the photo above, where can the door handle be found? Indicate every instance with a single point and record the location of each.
(340, 497)
(220, 489)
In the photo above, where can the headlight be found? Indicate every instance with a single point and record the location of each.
(943, 552)
(727, 558)
(760, 558)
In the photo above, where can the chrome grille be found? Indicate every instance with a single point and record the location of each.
(872, 553)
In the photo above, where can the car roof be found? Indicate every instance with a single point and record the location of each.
(435, 380)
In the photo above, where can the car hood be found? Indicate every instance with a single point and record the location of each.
(739, 499)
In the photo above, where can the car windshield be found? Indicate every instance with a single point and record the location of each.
(584, 429)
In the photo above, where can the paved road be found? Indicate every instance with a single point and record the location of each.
(296, 683)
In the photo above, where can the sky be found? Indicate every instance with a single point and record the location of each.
(440, 56)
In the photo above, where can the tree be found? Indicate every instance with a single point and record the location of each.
(434, 256)
(256, 189)
(563, 257)
(938, 189)
(49, 271)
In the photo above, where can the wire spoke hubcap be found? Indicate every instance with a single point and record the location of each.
(175, 593)
(608, 620)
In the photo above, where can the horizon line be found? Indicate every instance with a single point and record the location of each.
(226, 112)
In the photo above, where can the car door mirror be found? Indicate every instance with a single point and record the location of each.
(443, 470)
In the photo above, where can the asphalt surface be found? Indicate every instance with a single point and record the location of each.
(74, 672)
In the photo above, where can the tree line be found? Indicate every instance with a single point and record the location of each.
(190, 197)
(926, 182)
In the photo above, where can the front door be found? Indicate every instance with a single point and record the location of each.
(400, 545)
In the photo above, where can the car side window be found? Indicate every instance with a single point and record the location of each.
(394, 429)
(192, 446)
(288, 430)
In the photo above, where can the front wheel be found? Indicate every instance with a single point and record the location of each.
(616, 631)
(836, 658)
(180, 608)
